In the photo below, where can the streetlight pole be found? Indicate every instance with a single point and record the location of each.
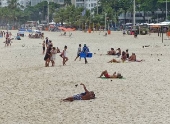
(97, 8)
(134, 12)
(166, 9)
(48, 13)
(105, 21)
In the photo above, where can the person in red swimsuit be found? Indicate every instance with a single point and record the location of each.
(105, 73)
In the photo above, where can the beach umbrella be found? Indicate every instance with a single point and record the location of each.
(68, 29)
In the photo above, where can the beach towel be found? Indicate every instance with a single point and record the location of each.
(111, 78)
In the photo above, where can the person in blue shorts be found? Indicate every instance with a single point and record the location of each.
(87, 95)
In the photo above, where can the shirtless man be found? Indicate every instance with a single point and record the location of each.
(111, 52)
(105, 73)
(132, 58)
(83, 96)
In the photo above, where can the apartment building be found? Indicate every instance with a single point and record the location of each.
(24, 3)
(89, 4)
(35, 2)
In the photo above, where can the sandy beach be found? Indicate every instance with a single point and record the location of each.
(31, 93)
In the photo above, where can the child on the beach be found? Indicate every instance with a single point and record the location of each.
(63, 55)
(78, 52)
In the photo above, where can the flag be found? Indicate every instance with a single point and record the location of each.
(83, 12)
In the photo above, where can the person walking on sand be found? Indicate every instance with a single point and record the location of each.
(46, 41)
(47, 56)
(87, 95)
(43, 46)
(78, 52)
(53, 55)
(85, 50)
(63, 55)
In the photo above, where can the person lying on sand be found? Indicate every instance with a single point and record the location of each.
(132, 58)
(82, 96)
(114, 61)
(123, 59)
(111, 52)
(105, 73)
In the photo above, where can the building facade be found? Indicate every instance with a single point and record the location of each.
(89, 4)
(35, 2)
(24, 3)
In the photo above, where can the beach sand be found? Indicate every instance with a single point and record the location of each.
(31, 93)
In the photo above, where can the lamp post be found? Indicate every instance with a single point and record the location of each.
(166, 9)
(105, 21)
(97, 8)
(48, 13)
(134, 12)
(7, 27)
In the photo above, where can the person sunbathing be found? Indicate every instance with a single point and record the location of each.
(111, 52)
(132, 58)
(87, 95)
(105, 73)
(114, 61)
(123, 59)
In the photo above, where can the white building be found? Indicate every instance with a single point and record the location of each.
(24, 3)
(89, 4)
(35, 2)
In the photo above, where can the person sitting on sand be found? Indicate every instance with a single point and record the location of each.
(105, 73)
(118, 52)
(111, 52)
(82, 96)
(123, 57)
(127, 54)
(132, 58)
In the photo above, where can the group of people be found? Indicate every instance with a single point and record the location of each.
(8, 40)
(114, 52)
(124, 56)
(50, 54)
(84, 50)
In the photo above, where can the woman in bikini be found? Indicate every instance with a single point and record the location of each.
(105, 73)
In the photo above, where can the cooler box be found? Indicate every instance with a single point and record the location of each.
(89, 55)
(82, 55)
